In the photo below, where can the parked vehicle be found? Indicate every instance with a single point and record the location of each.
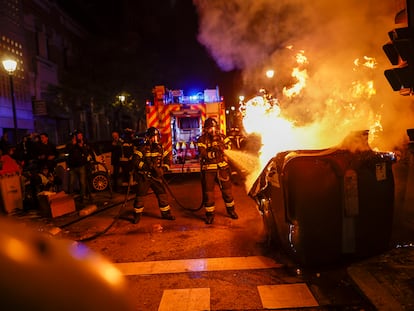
(99, 175)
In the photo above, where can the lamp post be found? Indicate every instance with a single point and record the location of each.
(121, 100)
(10, 66)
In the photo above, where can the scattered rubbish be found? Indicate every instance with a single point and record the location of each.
(55, 230)
(88, 210)
(157, 228)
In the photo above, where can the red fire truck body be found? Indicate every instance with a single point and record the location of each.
(180, 119)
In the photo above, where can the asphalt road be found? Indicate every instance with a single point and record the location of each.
(187, 265)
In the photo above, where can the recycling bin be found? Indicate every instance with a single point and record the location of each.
(10, 193)
(323, 206)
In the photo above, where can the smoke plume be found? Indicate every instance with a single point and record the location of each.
(254, 35)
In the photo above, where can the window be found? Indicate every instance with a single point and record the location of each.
(189, 123)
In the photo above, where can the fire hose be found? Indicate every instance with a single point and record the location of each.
(159, 179)
(118, 215)
(116, 218)
(176, 200)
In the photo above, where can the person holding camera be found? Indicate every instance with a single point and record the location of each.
(148, 160)
(214, 169)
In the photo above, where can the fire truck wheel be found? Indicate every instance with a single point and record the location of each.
(99, 181)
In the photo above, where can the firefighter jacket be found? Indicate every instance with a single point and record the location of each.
(211, 151)
(127, 150)
(148, 159)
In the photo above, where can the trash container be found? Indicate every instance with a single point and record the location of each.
(10, 185)
(10, 193)
(322, 206)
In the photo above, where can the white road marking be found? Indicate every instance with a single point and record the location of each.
(186, 299)
(286, 296)
(196, 265)
(198, 299)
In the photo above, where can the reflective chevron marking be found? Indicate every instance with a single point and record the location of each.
(197, 265)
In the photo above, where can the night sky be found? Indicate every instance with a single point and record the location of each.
(161, 33)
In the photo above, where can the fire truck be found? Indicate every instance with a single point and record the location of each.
(180, 118)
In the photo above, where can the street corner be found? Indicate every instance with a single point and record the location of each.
(386, 280)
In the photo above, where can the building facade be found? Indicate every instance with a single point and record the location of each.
(45, 42)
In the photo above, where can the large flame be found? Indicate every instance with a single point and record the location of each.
(300, 74)
(319, 97)
(263, 115)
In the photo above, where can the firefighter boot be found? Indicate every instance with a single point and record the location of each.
(209, 218)
(167, 215)
(232, 212)
(137, 218)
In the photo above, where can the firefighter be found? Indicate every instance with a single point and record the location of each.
(127, 150)
(116, 154)
(215, 169)
(148, 172)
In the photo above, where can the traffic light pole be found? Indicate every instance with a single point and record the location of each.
(400, 52)
(410, 14)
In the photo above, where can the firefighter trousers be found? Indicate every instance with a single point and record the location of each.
(209, 178)
(144, 183)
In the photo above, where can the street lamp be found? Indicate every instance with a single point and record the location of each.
(270, 73)
(10, 66)
(121, 100)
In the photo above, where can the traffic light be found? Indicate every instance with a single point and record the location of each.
(400, 52)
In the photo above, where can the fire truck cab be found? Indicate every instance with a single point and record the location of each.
(180, 120)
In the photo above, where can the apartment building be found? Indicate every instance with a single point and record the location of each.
(45, 42)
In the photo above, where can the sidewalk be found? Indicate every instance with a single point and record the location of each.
(387, 280)
(54, 226)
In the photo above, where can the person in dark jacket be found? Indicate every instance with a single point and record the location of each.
(5, 143)
(116, 154)
(215, 169)
(24, 151)
(148, 173)
(79, 156)
(127, 151)
(45, 153)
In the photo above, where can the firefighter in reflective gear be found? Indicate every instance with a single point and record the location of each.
(148, 173)
(215, 169)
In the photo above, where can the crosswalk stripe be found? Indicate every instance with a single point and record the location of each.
(197, 265)
(186, 299)
(280, 296)
(286, 296)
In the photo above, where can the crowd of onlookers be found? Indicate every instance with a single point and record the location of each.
(35, 159)
(34, 151)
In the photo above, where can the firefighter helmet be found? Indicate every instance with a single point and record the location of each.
(152, 131)
(210, 122)
(211, 127)
(153, 135)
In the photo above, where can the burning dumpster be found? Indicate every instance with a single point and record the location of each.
(321, 206)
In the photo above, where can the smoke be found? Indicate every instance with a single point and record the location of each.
(247, 164)
(253, 36)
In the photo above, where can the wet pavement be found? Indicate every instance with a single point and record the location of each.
(386, 280)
